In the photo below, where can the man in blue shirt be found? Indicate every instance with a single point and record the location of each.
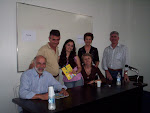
(34, 83)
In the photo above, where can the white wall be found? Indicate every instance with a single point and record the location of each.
(129, 17)
(140, 37)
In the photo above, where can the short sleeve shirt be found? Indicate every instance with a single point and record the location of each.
(51, 59)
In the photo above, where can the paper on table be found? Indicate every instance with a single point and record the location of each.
(58, 96)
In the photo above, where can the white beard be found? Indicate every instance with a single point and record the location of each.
(38, 70)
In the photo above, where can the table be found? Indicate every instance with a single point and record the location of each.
(90, 99)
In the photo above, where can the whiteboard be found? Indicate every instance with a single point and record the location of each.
(34, 24)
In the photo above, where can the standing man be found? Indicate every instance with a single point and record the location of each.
(34, 83)
(115, 57)
(50, 52)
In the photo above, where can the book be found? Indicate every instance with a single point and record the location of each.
(58, 96)
(67, 70)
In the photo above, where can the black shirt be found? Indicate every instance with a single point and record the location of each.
(93, 52)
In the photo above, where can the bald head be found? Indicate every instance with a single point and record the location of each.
(40, 64)
(39, 57)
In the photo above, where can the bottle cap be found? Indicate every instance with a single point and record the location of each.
(51, 91)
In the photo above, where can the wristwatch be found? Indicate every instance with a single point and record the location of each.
(126, 73)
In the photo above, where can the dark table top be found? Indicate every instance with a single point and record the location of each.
(78, 96)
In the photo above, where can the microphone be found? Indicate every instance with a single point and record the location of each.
(132, 68)
(137, 71)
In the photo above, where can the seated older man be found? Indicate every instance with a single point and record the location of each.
(34, 83)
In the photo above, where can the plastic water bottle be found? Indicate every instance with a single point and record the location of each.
(118, 82)
(51, 99)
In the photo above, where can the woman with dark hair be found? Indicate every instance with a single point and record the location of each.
(87, 48)
(68, 56)
(89, 71)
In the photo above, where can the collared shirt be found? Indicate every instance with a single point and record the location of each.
(31, 84)
(115, 58)
(51, 59)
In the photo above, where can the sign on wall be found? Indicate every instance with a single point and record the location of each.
(34, 24)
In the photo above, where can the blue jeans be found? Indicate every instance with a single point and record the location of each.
(114, 75)
(74, 83)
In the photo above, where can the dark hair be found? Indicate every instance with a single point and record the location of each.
(54, 32)
(114, 32)
(88, 34)
(63, 58)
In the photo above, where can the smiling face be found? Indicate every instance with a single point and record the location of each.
(40, 64)
(87, 60)
(69, 46)
(114, 38)
(54, 41)
(88, 40)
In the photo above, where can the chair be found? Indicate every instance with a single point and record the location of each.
(16, 90)
(16, 95)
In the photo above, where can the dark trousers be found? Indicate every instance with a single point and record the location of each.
(114, 75)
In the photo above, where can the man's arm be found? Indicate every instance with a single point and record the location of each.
(108, 75)
(31, 65)
(126, 61)
(56, 85)
(64, 92)
(40, 96)
(24, 89)
(126, 78)
(45, 96)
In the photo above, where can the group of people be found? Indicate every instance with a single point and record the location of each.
(44, 70)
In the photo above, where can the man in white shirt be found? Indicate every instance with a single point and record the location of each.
(115, 57)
